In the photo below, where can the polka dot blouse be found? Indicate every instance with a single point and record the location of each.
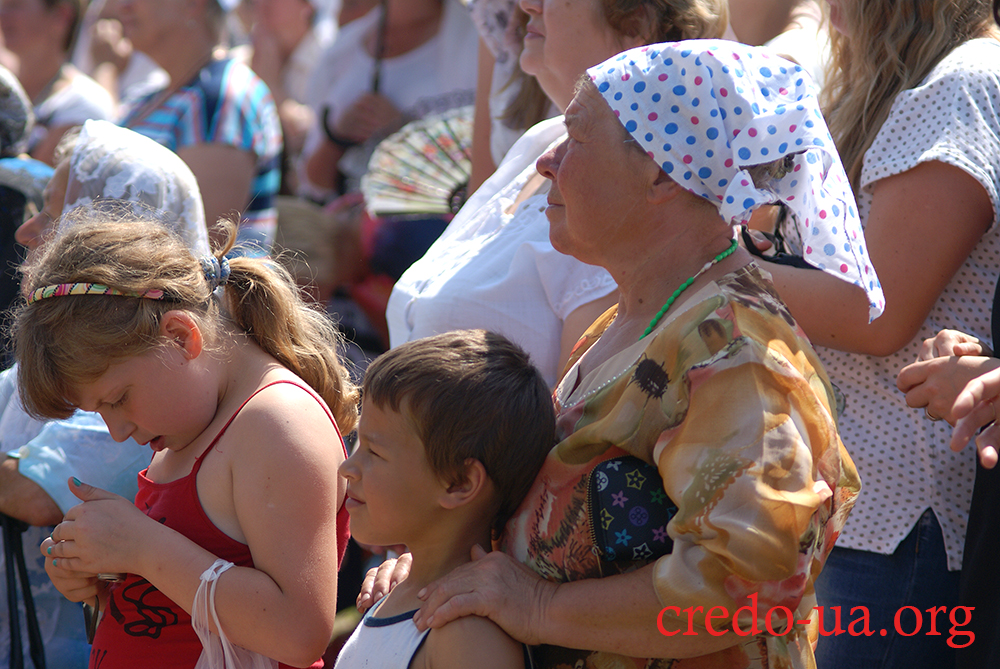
(903, 458)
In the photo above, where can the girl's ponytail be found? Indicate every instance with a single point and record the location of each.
(264, 302)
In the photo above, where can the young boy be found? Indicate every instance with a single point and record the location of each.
(453, 431)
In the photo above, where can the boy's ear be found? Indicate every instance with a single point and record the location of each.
(181, 329)
(469, 489)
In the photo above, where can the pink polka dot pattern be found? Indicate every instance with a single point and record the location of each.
(707, 109)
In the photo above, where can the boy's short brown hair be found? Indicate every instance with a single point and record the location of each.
(471, 394)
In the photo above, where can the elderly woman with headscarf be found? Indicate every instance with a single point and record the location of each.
(103, 166)
(699, 379)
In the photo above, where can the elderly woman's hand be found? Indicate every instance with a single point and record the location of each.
(951, 342)
(493, 586)
(380, 580)
(937, 384)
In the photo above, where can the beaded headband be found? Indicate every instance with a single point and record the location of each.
(60, 289)
(216, 273)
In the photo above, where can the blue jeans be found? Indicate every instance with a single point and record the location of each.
(915, 575)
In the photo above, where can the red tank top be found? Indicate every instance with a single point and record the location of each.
(141, 626)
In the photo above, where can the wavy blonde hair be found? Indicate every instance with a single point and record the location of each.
(63, 342)
(892, 46)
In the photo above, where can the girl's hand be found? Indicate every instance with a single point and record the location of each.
(493, 586)
(102, 535)
(73, 585)
(952, 342)
(380, 581)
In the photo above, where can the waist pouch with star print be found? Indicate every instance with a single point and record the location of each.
(629, 510)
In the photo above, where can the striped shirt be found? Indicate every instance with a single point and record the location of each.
(225, 103)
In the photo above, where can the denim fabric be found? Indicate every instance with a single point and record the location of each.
(917, 575)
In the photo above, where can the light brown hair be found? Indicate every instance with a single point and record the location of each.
(471, 394)
(654, 21)
(62, 342)
(893, 45)
(658, 21)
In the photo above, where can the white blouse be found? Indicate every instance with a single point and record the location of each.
(494, 267)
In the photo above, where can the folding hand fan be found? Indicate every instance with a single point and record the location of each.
(423, 168)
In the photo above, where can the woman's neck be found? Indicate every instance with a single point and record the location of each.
(408, 26)
(182, 63)
(38, 71)
(756, 26)
(643, 294)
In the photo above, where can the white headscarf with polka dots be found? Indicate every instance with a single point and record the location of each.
(706, 109)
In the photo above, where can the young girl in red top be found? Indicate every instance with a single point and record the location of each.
(239, 393)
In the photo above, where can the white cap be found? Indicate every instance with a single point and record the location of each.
(228, 5)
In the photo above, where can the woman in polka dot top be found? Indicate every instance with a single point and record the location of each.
(912, 105)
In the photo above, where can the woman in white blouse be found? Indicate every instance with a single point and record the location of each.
(494, 267)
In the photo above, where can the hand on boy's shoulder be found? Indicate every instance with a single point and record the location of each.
(469, 642)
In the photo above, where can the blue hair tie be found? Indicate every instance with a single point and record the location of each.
(216, 271)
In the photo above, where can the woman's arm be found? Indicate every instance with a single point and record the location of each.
(922, 226)
(482, 128)
(24, 499)
(616, 614)
(225, 175)
(286, 495)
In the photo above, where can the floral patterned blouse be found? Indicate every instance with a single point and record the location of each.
(727, 398)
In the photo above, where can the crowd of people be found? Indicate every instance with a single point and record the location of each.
(683, 373)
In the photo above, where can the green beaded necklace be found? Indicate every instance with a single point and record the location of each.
(663, 310)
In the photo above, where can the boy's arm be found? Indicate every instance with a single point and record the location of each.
(469, 642)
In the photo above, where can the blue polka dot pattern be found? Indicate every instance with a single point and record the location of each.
(736, 107)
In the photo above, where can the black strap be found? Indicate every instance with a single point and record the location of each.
(14, 559)
(780, 257)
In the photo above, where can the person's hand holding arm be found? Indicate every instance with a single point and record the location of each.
(533, 610)
(975, 409)
(937, 384)
(956, 379)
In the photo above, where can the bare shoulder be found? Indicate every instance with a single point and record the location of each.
(287, 413)
(470, 642)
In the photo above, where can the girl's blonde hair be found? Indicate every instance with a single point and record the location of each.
(892, 46)
(62, 342)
